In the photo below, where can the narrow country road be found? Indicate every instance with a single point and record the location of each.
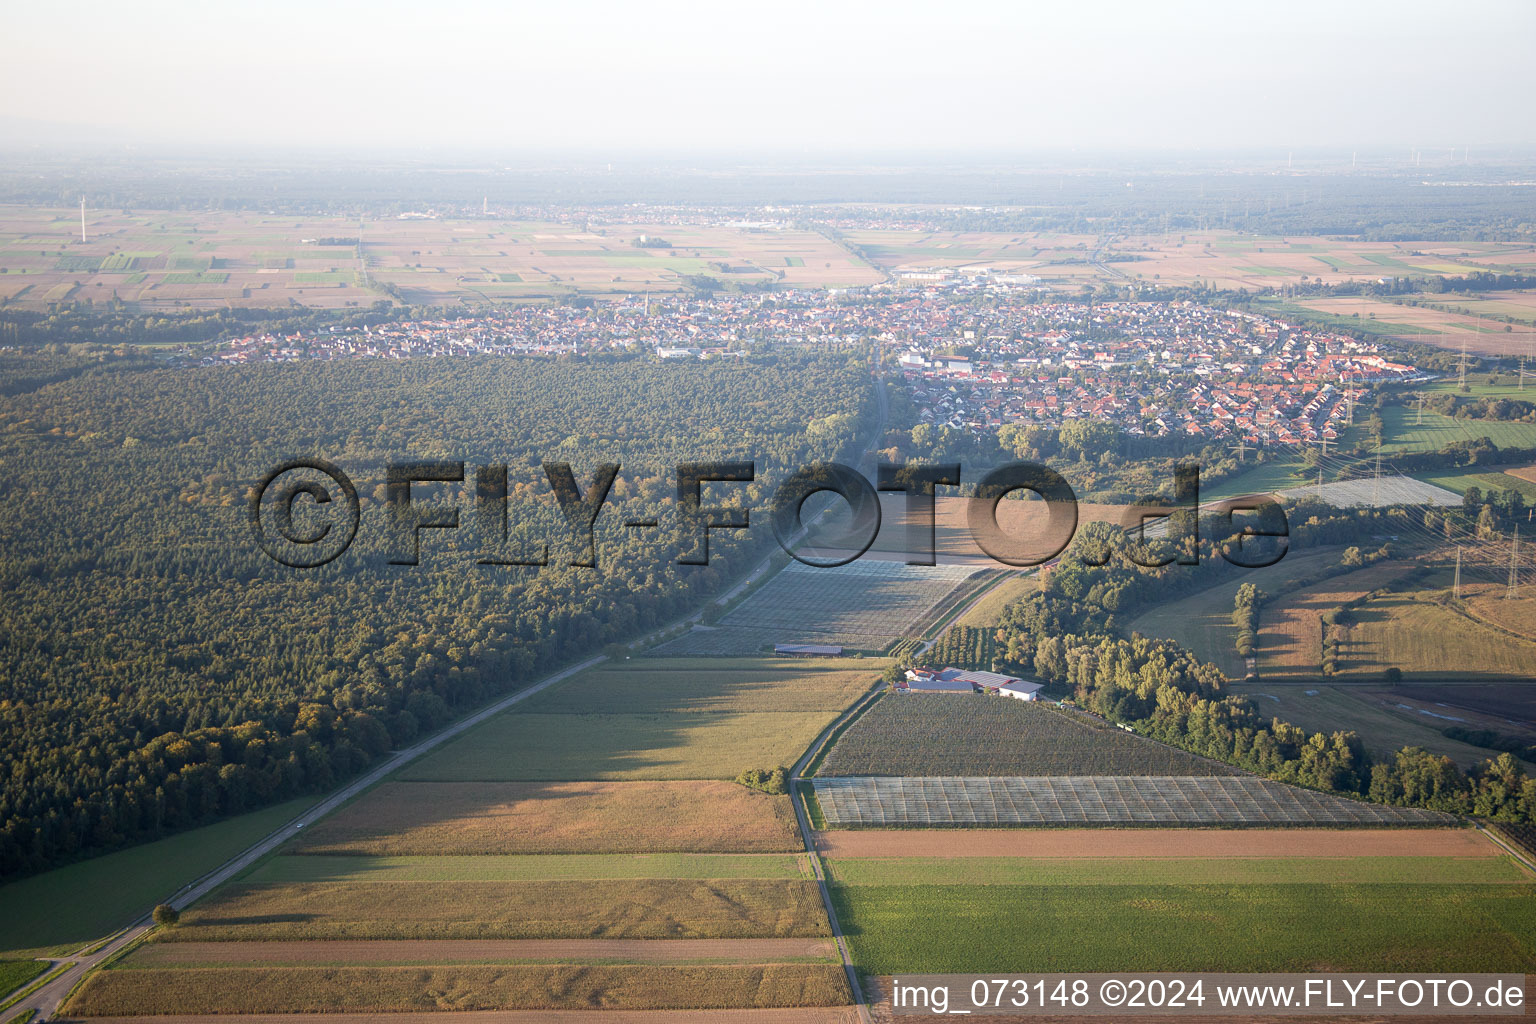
(815, 856)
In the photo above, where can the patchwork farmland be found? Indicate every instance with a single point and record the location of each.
(919, 901)
(219, 259)
(640, 881)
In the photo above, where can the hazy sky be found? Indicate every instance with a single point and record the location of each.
(792, 77)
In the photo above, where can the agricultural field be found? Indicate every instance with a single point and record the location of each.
(16, 973)
(378, 990)
(700, 686)
(205, 259)
(1428, 640)
(1192, 926)
(1202, 622)
(641, 881)
(1353, 870)
(1485, 478)
(448, 819)
(444, 952)
(651, 719)
(800, 1015)
(527, 867)
(1405, 434)
(1025, 523)
(1290, 626)
(1222, 259)
(1444, 328)
(697, 745)
(989, 610)
(636, 908)
(943, 734)
(1495, 307)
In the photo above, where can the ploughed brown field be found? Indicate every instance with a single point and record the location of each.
(442, 952)
(427, 818)
(1156, 842)
(395, 989)
(802, 1015)
(637, 908)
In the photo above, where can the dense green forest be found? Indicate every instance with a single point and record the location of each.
(160, 671)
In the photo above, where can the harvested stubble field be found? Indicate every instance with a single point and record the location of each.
(1176, 843)
(520, 745)
(529, 867)
(395, 989)
(1490, 602)
(561, 909)
(1290, 627)
(1389, 927)
(445, 952)
(722, 686)
(426, 819)
(1427, 640)
(954, 734)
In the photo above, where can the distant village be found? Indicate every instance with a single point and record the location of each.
(970, 364)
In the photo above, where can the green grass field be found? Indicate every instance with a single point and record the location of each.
(1250, 927)
(1405, 434)
(16, 973)
(62, 910)
(537, 747)
(1277, 474)
(516, 868)
(1338, 321)
(1485, 478)
(1176, 871)
(989, 610)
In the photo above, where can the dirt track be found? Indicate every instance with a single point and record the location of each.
(457, 951)
(1112, 843)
